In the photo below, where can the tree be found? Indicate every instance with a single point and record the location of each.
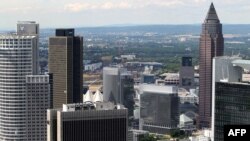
(177, 133)
(149, 138)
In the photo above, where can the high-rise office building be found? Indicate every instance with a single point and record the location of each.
(118, 87)
(112, 85)
(211, 45)
(18, 64)
(28, 28)
(38, 101)
(159, 108)
(88, 122)
(187, 73)
(230, 95)
(127, 91)
(66, 66)
(231, 102)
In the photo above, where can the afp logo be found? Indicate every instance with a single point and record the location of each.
(236, 132)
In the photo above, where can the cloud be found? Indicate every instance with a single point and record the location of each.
(77, 7)
(164, 3)
(106, 12)
(16, 9)
(126, 4)
(200, 1)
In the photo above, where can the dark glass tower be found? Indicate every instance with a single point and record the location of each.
(66, 66)
(232, 102)
(186, 73)
(211, 45)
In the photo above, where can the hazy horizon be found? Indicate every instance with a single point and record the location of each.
(123, 25)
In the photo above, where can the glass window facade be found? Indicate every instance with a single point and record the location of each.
(232, 106)
(159, 112)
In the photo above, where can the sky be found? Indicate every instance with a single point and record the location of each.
(91, 13)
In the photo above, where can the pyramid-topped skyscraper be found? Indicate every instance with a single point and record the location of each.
(211, 45)
(212, 15)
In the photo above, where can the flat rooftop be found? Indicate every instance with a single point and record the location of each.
(152, 88)
(91, 106)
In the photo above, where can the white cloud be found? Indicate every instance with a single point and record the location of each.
(106, 12)
(16, 9)
(125, 4)
(200, 1)
(76, 7)
(165, 3)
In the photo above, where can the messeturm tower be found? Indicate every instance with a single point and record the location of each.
(211, 45)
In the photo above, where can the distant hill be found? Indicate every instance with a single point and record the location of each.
(164, 29)
(159, 29)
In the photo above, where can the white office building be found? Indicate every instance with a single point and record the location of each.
(15, 63)
(18, 61)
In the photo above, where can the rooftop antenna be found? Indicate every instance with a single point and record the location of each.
(227, 72)
(223, 77)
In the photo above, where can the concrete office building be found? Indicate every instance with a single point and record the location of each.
(65, 64)
(118, 87)
(169, 79)
(159, 108)
(88, 122)
(38, 101)
(187, 73)
(16, 61)
(211, 45)
(231, 97)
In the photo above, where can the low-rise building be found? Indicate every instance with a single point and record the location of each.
(88, 122)
(93, 66)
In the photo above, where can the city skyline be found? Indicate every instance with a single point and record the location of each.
(87, 13)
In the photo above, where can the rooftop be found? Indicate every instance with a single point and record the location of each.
(245, 64)
(151, 88)
(26, 22)
(240, 83)
(15, 36)
(91, 106)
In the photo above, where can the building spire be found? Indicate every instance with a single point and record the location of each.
(212, 15)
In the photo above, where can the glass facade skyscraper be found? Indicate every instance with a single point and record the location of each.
(231, 97)
(66, 66)
(232, 106)
(159, 108)
(118, 87)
